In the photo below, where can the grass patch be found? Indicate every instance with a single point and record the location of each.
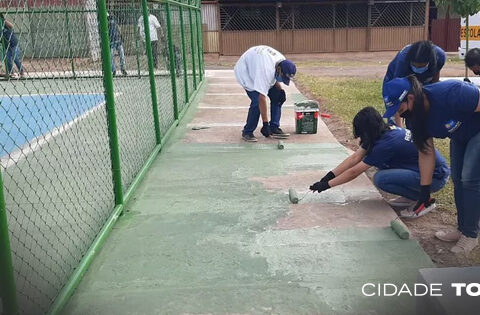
(346, 96)
(329, 63)
(455, 60)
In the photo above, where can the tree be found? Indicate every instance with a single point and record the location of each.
(464, 8)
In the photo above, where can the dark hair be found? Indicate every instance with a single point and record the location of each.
(419, 116)
(472, 58)
(422, 52)
(369, 126)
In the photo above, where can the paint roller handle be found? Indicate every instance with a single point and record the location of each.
(320, 186)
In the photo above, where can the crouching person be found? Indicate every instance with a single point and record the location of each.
(391, 150)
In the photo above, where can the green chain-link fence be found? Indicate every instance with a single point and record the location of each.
(78, 131)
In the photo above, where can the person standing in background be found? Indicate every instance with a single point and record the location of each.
(153, 26)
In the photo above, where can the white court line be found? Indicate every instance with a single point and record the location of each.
(222, 84)
(35, 144)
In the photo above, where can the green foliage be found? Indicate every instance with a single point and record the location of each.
(462, 7)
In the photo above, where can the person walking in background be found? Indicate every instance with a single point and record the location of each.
(391, 150)
(13, 53)
(472, 61)
(422, 59)
(116, 44)
(260, 70)
(153, 26)
(450, 109)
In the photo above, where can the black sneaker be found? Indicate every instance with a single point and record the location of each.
(249, 137)
(277, 132)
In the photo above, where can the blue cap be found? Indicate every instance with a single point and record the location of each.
(394, 92)
(288, 71)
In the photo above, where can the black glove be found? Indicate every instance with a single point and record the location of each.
(328, 177)
(424, 200)
(467, 80)
(266, 130)
(320, 186)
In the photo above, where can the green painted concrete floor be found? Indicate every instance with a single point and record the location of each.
(211, 231)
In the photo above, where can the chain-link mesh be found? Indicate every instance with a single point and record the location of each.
(322, 16)
(55, 147)
(235, 18)
(397, 14)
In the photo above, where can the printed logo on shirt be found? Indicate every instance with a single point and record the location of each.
(452, 125)
(408, 135)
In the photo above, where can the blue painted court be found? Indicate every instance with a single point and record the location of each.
(26, 117)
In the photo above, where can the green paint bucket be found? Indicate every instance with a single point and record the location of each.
(306, 117)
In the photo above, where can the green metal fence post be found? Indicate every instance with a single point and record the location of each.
(109, 96)
(135, 34)
(8, 293)
(192, 43)
(69, 37)
(153, 87)
(172, 60)
(201, 37)
(184, 54)
(199, 45)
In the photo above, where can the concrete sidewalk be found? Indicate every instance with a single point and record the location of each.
(211, 229)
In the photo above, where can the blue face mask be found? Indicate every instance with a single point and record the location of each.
(278, 78)
(419, 70)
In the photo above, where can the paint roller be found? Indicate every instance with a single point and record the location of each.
(293, 196)
(400, 228)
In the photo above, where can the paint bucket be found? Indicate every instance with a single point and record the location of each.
(306, 117)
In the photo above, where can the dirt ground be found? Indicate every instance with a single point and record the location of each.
(373, 65)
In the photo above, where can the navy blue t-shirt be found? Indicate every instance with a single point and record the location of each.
(399, 67)
(395, 150)
(10, 37)
(452, 109)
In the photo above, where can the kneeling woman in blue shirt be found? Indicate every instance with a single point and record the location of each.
(445, 109)
(392, 151)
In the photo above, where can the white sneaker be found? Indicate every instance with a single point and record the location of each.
(401, 202)
(451, 236)
(410, 214)
(464, 245)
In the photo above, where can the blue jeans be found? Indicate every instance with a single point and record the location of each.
(254, 111)
(464, 159)
(406, 183)
(13, 55)
(121, 55)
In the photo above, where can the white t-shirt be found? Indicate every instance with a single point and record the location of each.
(255, 70)
(153, 24)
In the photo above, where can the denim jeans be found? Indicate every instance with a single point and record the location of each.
(464, 159)
(13, 55)
(254, 110)
(121, 56)
(406, 183)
